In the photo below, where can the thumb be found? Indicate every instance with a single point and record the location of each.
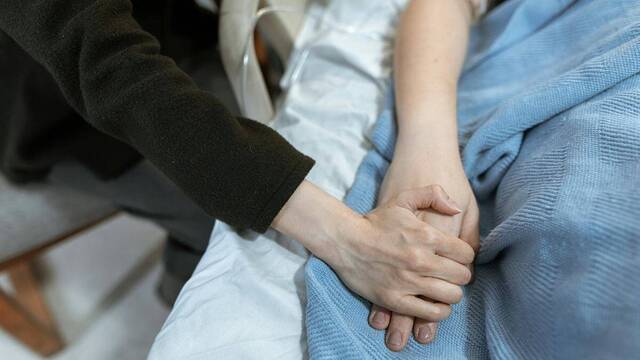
(432, 196)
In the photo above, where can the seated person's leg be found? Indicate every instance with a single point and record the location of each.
(146, 192)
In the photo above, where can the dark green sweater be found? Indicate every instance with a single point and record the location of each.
(112, 74)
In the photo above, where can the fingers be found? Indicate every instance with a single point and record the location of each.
(446, 259)
(449, 271)
(432, 196)
(400, 326)
(439, 290)
(398, 332)
(417, 307)
(379, 317)
(424, 331)
(455, 249)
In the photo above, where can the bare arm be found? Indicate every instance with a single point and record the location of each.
(429, 54)
(430, 51)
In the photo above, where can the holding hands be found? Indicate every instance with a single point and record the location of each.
(406, 174)
(429, 54)
(391, 256)
(399, 261)
(412, 254)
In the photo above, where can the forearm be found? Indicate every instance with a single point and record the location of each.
(430, 51)
(429, 54)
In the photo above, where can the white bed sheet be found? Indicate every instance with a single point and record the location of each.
(246, 298)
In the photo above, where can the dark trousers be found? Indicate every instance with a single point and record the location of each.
(146, 192)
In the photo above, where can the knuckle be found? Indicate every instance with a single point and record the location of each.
(434, 187)
(434, 313)
(413, 258)
(436, 290)
(386, 298)
(406, 277)
(469, 255)
(469, 252)
(430, 235)
(461, 275)
(440, 312)
(410, 232)
(444, 312)
(437, 189)
(427, 266)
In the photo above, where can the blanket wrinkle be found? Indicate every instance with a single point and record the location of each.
(548, 121)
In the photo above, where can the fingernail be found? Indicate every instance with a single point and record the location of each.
(434, 329)
(424, 334)
(378, 318)
(395, 338)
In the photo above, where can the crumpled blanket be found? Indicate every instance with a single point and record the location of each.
(549, 119)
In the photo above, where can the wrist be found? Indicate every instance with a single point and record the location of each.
(421, 157)
(346, 236)
(321, 223)
(435, 143)
(334, 233)
(414, 167)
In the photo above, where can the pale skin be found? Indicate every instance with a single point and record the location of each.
(430, 50)
(412, 255)
(388, 256)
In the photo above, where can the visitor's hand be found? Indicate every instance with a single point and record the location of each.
(389, 256)
(398, 261)
(403, 175)
(406, 172)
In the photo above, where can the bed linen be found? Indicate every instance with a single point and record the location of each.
(549, 119)
(246, 298)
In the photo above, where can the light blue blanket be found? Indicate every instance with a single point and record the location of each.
(549, 118)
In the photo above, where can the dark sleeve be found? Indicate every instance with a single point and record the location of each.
(110, 71)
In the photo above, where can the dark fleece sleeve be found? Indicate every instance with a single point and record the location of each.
(111, 72)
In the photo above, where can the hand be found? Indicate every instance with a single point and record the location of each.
(389, 257)
(398, 261)
(429, 54)
(403, 175)
(407, 172)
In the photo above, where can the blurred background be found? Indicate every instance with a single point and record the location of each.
(100, 287)
(81, 278)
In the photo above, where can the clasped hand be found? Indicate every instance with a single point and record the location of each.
(404, 264)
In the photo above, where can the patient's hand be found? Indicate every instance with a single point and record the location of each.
(403, 174)
(429, 54)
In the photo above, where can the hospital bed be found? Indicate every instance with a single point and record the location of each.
(279, 21)
(246, 298)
